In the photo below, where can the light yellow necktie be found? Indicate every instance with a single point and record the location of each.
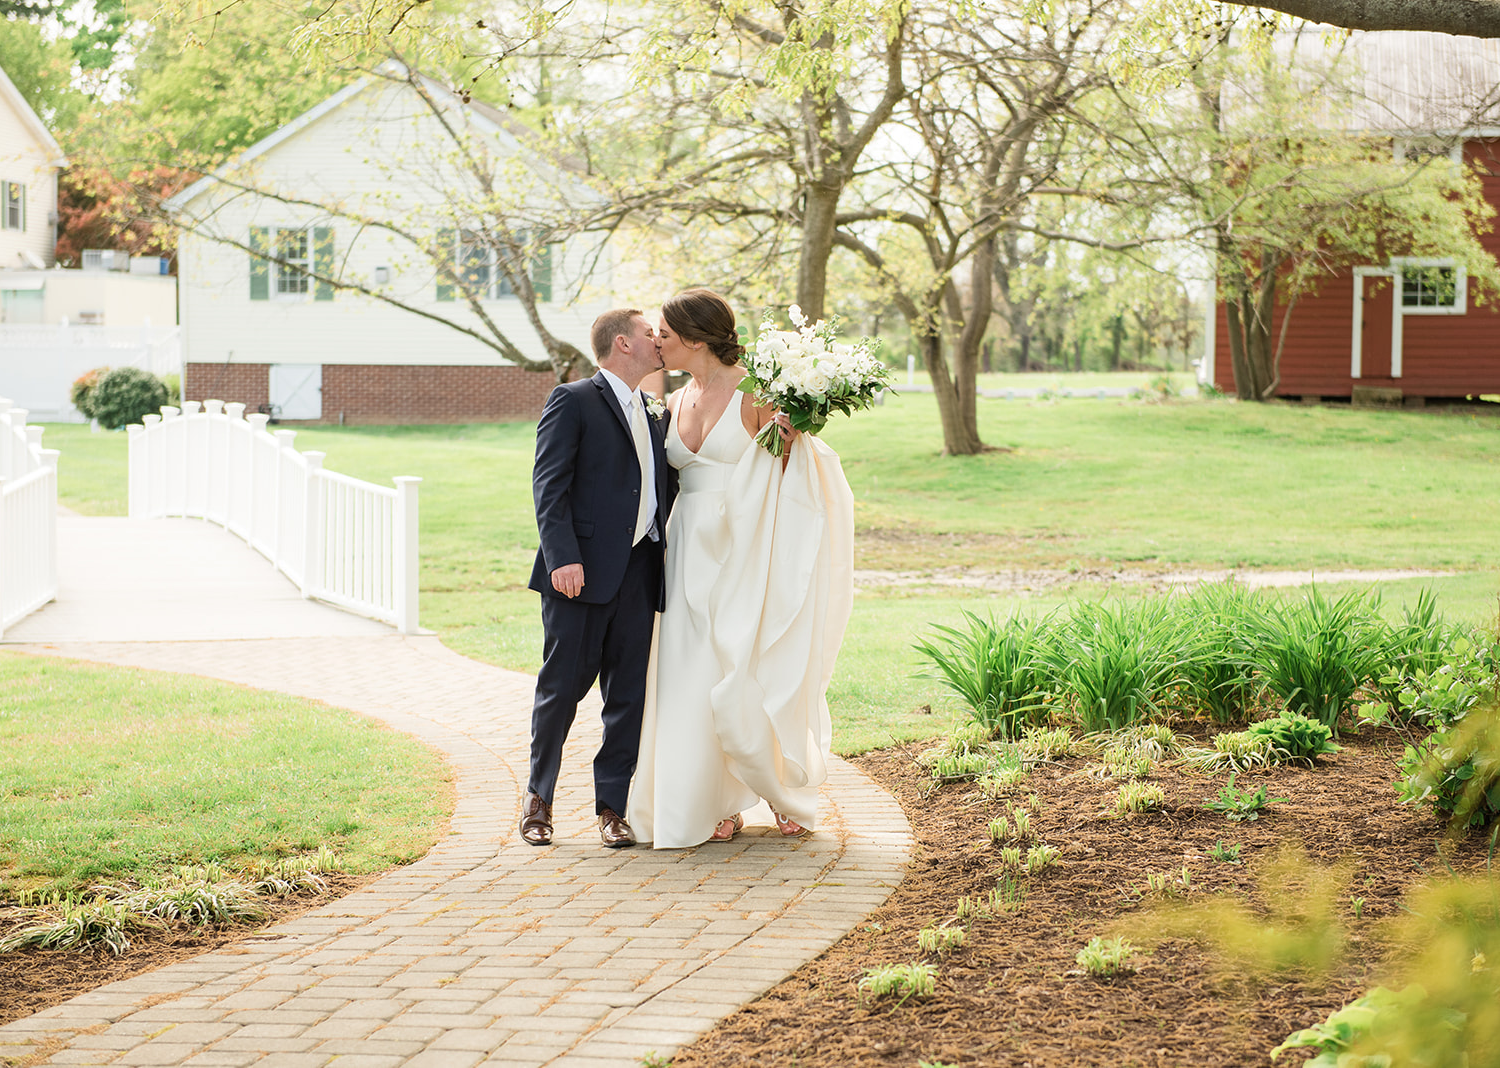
(642, 438)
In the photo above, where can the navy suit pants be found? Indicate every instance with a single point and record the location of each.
(610, 642)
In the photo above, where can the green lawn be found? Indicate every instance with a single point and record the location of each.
(114, 774)
(1085, 483)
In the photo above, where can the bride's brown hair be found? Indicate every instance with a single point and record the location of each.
(703, 315)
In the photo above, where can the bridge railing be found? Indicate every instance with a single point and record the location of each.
(341, 540)
(28, 518)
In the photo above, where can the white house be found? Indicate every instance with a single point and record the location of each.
(362, 188)
(29, 162)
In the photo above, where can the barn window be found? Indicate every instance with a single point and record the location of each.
(1432, 287)
(294, 249)
(477, 262)
(13, 205)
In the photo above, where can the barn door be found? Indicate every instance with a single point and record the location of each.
(297, 390)
(1375, 326)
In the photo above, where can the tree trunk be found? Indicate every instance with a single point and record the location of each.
(958, 439)
(1119, 335)
(819, 218)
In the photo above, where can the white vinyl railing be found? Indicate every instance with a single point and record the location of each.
(347, 542)
(28, 518)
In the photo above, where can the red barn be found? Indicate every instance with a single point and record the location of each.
(1403, 330)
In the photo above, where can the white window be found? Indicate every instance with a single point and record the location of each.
(1432, 287)
(1421, 149)
(477, 261)
(294, 249)
(12, 205)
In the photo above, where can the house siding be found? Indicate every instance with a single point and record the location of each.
(1443, 356)
(23, 158)
(369, 156)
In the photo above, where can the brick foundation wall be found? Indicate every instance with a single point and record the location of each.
(366, 394)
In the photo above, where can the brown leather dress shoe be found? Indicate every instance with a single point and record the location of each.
(536, 821)
(614, 831)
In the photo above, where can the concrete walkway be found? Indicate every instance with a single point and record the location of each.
(487, 951)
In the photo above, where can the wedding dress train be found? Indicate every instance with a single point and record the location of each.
(759, 572)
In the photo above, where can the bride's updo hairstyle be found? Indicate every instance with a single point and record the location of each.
(703, 315)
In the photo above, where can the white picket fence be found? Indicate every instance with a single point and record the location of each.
(347, 542)
(28, 518)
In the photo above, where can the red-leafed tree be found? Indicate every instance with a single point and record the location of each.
(96, 209)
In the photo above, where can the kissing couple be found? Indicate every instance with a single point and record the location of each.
(703, 582)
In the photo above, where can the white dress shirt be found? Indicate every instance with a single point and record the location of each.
(628, 397)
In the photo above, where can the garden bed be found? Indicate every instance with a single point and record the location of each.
(35, 979)
(1014, 995)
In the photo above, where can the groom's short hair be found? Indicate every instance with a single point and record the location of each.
(607, 327)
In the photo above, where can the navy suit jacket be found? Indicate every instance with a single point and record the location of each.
(586, 486)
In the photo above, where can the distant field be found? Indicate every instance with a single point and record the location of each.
(1086, 484)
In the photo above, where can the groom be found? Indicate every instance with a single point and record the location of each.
(603, 490)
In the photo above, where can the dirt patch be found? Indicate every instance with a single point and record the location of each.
(1050, 580)
(35, 979)
(1014, 995)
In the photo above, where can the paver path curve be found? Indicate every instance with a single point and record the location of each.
(487, 951)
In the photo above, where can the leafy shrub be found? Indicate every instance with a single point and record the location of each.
(173, 382)
(82, 391)
(1000, 670)
(1295, 737)
(1467, 671)
(1223, 620)
(1316, 653)
(1116, 662)
(1456, 769)
(1447, 1011)
(126, 395)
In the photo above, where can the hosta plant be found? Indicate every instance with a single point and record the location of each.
(1136, 797)
(1295, 737)
(900, 981)
(1232, 751)
(1456, 770)
(1106, 957)
(940, 941)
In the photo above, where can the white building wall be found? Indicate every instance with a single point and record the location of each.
(379, 155)
(23, 158)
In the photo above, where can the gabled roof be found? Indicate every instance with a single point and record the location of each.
(489, 120)
(18, 104)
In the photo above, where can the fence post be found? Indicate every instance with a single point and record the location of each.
(405, 557)
(135, 483)
(313, 511)
(16, 439)
(257, 421)
(155, 466)
(49, 459)
(284, 440)
(4, 549)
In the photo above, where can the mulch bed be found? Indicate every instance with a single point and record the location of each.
(35, 979)
(1014, 994)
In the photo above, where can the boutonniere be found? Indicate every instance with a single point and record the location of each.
(655, 408)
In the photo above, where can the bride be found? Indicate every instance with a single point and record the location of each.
(759, 576)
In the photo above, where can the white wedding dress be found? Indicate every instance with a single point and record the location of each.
(760, 583)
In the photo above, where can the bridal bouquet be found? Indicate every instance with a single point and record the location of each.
(809, 374)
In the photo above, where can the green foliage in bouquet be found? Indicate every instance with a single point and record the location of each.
(809, 374)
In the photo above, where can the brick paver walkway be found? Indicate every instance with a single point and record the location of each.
(487, 951)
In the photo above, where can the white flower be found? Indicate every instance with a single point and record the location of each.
(795, 312)
(654, 407)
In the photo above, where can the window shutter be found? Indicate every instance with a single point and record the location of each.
(541, 274)
(23, 207)
(323, 262)
(448, 252)
(260, 267)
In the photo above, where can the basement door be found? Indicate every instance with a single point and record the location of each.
(297, 390)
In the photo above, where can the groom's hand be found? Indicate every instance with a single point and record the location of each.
(568, 580)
